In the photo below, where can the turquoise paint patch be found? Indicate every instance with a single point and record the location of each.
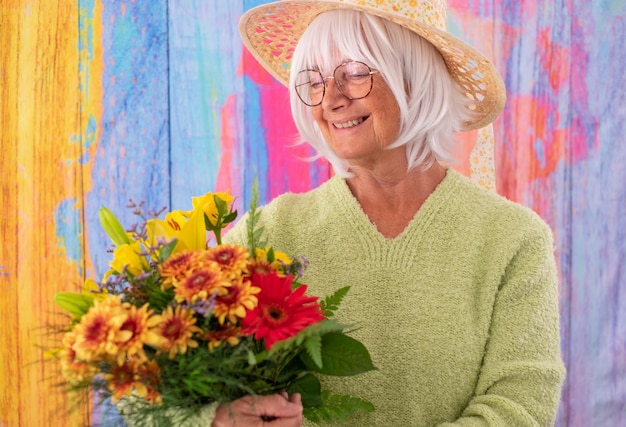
(85, 25)
(69, 230)
(85, 40)
(86, 140)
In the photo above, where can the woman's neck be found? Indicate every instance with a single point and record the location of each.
(392, 199)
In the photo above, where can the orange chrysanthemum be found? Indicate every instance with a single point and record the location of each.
(177, 328)
(228, 333)
(281, 312)
(99, 334)
(142, 325)
(201, 284)
(233, 305)
(124, 380)
(176, 268)
(74, 370)
(150, 376)
(232, 259)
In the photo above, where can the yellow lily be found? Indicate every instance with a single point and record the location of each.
(91, 289)
(207, 204)
(127, 255)
(190, 233)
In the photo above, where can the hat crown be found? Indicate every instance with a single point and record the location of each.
(432, 12)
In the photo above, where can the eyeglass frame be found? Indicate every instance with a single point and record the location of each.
(324, 79)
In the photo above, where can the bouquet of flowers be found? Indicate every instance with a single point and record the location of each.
(182, 320)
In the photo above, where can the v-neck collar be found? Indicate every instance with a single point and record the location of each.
(365, 229)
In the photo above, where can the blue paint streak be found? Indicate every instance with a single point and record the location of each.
(132, 160)
(249, 4)
(88, 138)
(255, 147)
(540, 152)
(68, 228)
(204, 56)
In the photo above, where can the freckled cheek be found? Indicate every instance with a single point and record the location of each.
(389, 124)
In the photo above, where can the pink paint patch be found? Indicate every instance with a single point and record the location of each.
(465, 142)
(227, 179)
(253, 69)
(554, 59)
(286, 158)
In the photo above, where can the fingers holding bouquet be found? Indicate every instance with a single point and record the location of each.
(276, 410)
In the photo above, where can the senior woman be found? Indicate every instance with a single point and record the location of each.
(453, 287)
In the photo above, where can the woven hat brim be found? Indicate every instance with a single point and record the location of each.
(271, 31)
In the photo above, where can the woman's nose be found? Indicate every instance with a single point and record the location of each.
(333, 96)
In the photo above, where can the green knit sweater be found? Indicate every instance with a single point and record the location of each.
(459, 312)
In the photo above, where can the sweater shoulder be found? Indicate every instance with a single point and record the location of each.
(498, 217)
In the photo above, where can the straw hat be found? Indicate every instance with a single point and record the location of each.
(271, 32)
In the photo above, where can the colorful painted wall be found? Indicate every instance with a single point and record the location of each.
(106, 100)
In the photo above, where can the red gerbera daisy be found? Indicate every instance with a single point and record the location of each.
(281, 312)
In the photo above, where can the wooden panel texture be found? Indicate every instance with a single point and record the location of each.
(42, 201)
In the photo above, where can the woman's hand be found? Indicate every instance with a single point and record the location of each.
(276, 410)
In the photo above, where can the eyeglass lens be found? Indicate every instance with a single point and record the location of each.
(353, 79)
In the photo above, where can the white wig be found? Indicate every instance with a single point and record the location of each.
(432, 107)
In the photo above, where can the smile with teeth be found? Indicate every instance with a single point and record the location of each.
(349, 123)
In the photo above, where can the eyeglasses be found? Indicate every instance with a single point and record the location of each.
(353, 79)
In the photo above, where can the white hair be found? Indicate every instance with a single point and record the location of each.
(432, 107)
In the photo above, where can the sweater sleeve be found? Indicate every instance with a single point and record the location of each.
(173, 417)
(522, 371)
(237, 233)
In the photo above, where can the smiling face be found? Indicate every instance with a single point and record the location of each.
(359, 130)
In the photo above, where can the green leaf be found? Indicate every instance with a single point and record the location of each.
(113, 227)
(309, 388)
(259, 357)
(270, 256)
(75, 304)
(341, 356)
(331, 303)
(157, 298)
(208, 225)
(221, 205)
(319, 328)
(251, 358)
(255, 233)
(166, 250)
(230, 217)
(313, 346)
